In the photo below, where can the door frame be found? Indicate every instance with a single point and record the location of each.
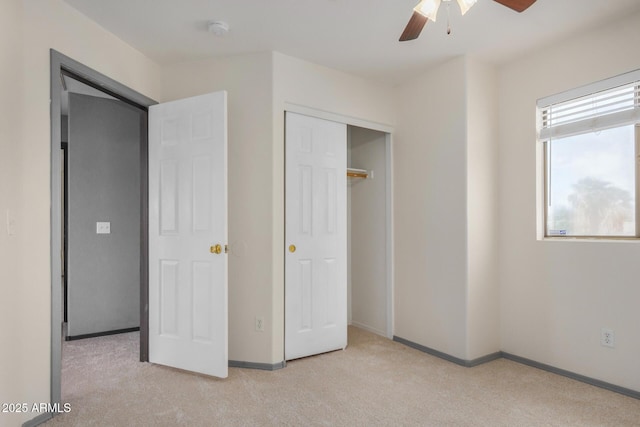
(60, 64)
(388, 131)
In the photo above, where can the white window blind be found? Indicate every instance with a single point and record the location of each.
(608, 103)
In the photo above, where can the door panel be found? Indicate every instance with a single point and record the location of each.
(187, 218)
(316, 212)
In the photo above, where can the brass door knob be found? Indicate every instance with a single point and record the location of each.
(292, 248)
(216, 249)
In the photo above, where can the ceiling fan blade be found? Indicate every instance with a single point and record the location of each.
(414, 27)
(517, 5)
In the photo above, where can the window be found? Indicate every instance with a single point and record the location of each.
(590, 137)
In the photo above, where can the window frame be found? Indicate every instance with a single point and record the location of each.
(547, 131)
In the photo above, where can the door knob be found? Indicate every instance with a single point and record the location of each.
(292, 248)
(216, 249)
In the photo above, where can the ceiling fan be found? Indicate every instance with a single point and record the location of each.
(428, 9)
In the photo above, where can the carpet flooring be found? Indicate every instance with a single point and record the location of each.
(374, 382)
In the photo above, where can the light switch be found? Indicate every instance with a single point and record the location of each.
(103, 227)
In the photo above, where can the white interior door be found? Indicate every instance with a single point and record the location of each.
(187, 219)
(316, 236)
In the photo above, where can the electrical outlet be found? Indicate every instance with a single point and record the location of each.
(608, 338)
(259, 324)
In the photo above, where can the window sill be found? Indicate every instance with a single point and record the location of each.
(591, 239)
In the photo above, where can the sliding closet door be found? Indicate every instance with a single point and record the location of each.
(316, 236)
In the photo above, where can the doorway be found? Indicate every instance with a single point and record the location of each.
(61, 65)
(101, 217)
(367, 297)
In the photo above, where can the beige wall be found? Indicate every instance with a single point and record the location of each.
(445, 207)
(430, 209)
(483, 294)
(13, 304)
(50, 24)
(556, 296)
(248, 82)
(325, 89)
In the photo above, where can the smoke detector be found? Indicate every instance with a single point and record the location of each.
(219, 28)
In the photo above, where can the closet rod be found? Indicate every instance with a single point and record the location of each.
(357, 173)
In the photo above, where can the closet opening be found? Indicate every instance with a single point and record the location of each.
(368, 237)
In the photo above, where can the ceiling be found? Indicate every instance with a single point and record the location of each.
(356, 36)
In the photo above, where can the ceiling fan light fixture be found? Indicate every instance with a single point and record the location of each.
(428, 8)
(465, 5)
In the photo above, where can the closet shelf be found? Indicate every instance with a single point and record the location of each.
(357, 173)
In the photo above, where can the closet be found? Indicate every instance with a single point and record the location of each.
(337, 233)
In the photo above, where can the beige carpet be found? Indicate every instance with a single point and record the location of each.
(375, 382)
